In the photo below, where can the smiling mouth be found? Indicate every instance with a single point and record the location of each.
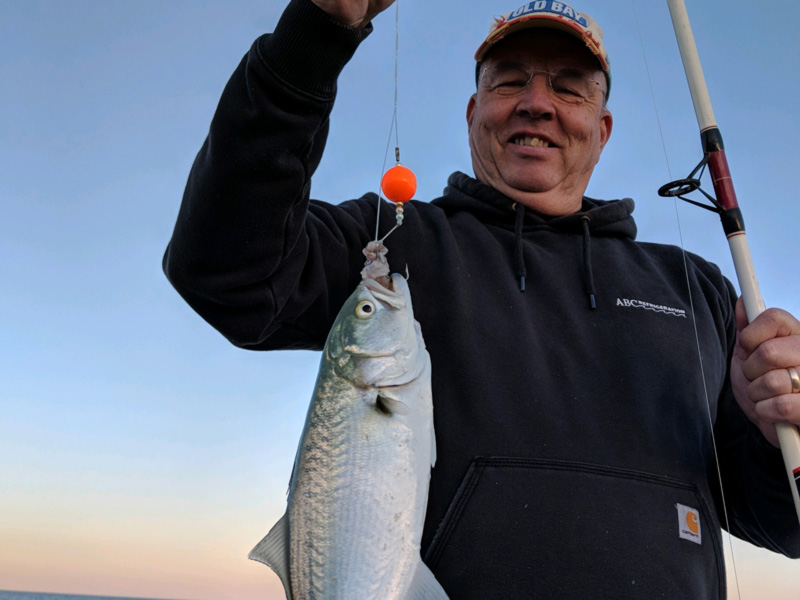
(532, 141)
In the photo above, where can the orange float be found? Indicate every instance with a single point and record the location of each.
(399, 184)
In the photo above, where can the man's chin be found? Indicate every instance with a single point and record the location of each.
(514, 186)
(544, 199)
(521, 186)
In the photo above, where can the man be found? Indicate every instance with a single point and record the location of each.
(574, 458)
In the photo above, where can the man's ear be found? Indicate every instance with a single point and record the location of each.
(606, 125)
(471, 105)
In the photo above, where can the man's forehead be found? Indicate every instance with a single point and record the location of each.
(544, 46)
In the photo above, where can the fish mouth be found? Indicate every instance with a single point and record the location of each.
(396, 297)
(366, 354)
(385, 370)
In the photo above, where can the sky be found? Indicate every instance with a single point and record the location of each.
(143, 455)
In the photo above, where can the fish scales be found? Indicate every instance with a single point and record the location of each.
(362, 504)
(359, 488)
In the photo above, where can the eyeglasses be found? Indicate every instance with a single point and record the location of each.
(569, 85)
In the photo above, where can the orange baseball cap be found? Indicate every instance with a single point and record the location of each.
(552, 15)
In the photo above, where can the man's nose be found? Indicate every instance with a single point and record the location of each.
(537, 97)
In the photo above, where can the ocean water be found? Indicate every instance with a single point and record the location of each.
(8, 595)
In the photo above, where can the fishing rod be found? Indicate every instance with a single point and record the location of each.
(726, 205)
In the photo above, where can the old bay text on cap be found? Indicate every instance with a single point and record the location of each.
(553, 15)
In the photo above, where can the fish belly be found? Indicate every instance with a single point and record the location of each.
(358, 502)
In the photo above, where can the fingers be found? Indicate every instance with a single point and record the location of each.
(780, 408)
(777, 353)
(355, 13)
(765, 351)
(769, 400)
(772, 323)
(777, 382)
(771, 341)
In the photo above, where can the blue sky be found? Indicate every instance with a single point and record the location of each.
(144, 455)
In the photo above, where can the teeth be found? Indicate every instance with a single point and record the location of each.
(531, 141)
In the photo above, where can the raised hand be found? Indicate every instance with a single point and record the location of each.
(355, 13)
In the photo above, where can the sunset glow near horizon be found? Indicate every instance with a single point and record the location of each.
(143, 454)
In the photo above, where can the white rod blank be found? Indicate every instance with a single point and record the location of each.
(691, 64)
(746, 275)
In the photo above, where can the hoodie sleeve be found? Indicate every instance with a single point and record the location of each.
(248, 252)
(756, 488)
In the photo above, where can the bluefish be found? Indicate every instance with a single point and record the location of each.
(359, 487)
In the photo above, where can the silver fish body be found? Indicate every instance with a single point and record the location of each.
(359, 488)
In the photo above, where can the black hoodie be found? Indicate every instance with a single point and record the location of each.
(573, 419)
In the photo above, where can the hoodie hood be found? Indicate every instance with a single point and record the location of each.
(603, 217)
(598, 218)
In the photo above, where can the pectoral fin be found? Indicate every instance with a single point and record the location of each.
(389, 405)
(273, 551)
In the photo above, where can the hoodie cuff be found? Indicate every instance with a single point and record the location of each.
(308, 49)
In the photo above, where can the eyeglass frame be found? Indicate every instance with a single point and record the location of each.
(480, 71)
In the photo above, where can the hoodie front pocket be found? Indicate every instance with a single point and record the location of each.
(530, 528)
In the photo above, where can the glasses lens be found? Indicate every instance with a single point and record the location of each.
(506, 80)
(569, 85)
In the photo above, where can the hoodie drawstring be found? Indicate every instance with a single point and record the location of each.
(588, 274)
(587, 262)
(521, 272)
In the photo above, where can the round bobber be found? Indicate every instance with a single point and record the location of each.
(399, 184)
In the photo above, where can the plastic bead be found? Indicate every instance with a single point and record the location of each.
(399, 184)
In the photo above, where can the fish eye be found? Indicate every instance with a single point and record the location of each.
(365, 309)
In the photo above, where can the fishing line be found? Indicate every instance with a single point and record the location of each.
(393, 125)
(396, 61)
(398, 183)
(691, 306)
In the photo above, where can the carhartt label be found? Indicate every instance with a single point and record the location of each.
(689, 524)
(660, 308)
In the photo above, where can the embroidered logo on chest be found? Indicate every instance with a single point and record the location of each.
(641, 304)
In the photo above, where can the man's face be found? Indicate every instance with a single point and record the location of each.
(533, 147)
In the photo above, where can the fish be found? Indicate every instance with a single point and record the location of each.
(359, 488)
